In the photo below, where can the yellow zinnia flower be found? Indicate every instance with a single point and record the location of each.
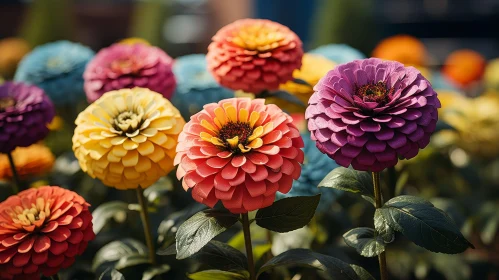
(127, 138)
(30, 161)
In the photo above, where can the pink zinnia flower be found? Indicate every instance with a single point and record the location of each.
(368, 113)
(241, 152)
(128, 66)
(254, 55)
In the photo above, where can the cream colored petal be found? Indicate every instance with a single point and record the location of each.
(118, 140)
(130, 145)
(130, 159)
(257, 132)
(119, 151)
(257, 143)
(159, 138)
(139, 139)
(149, 132)
(145, 148)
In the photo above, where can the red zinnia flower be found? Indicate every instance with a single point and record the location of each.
(241, 152)
(41, 231)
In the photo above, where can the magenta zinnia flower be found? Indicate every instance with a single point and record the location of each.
(368, 113)
(241, 152)
(128, 66)
(25, 112)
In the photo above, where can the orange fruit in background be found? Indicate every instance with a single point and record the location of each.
(402, 48)
(463, 67)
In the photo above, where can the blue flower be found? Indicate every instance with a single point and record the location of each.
(317, 165)
(195, 85)
(440, 82)
(57, 68)
(339, 53)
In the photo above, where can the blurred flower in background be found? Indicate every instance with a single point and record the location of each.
(12, 50)
(339, 53)
(128, 66)
(405, 49)
(441, 82)
(133, 41)
(31, 161)
(476, 121)
(195, 85)
(57, 68)
(464, 67)
(127, 138)
(254, 55)
(315, 167)
(491, 76)
(25, 112)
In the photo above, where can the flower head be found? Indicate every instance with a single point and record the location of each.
(241, 152)
(195, 85)
(402, 48)
(30, 161)
(312, 69)
(464, 67)
(57, 68)
(254, 55)
(25, 112)
(41, 232)
(368, 113)
(128, 66)
(491, 75)
(338, 53)
(316, 166)
(12, 50)
(127, 138)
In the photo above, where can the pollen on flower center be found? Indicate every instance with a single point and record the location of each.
(34, 215)
(377, 92)
(6, 102)
(234, 133)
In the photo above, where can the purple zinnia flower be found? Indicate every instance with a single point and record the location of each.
(25, 112)
(368, 113)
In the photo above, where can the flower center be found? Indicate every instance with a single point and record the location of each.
(234, 133)
(6, 102)
(257, 37)
(377, 92)
(129, 121)
(126, 66)
(34, 215)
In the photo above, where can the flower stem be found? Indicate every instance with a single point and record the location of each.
(377, 199)
(17, 183)
(144, 215)
(269, 236)
(249, 247)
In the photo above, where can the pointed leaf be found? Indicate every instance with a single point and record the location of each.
(350, 180)
(362, 273)
(423, 224)
(286, 96)
(382, 228)
(133, 266)
(219, 255)
(152, 272)
(364, 241)
(288, 213)
(116, 210)
(197, 231)
(111, 274)
(219, 275)
(112, 252)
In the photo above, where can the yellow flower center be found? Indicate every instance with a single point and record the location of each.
(258, 37)
(6, 102)
(128, 121)
(30, 215)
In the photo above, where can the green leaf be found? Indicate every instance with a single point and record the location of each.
(350, 180)
(286, 96)
(156, 194)
(169, 226)
(363, 239)
(115, 250)
(288, 213)
(219, 255)
(111, 274)
(197, 231)
(219, 275)
(362, 273)
(133, 266)
(152, 272)
(116, 210)
(301, 82)
(382, 228)
(334, 268)
(423, 224)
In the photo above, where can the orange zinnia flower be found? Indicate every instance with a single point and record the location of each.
(30, 161)
(241, 152)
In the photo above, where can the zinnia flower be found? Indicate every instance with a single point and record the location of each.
(241, 152)
(195, 85)
(30, 161)
(25, 112)
(57, 68)
(491, 76)
(254, 55)
(338, 53)
(127, 138)
(12, 50)
(476, 121)
(41, 232)
(464, 67)
(133, 41)
(368, 113)
(316, 166)
(312, 69)
(128, 66)
(402, 48)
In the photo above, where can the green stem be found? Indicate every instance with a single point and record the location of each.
(16, 182)
(54, 277)
(377, 199)
(249, 247)
(269, 236)
(144, 215)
